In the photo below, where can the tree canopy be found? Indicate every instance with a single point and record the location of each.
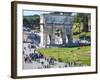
(31, 21)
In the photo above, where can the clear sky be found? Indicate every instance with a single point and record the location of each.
(31, 12)
(34, 12)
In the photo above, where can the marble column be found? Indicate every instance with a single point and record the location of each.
(41, 31)
(70, 35)
(64, 35)
(52, 42)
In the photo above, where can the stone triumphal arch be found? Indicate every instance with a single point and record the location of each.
(55, 29)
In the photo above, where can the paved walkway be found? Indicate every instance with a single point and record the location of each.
(33, 65)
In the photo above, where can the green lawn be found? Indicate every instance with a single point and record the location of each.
(82, 34)
(80, 54)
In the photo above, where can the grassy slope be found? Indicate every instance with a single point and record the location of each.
(82, 34)
(76, 30)
(81, 54)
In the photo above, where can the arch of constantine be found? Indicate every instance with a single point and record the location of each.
(55, 29)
